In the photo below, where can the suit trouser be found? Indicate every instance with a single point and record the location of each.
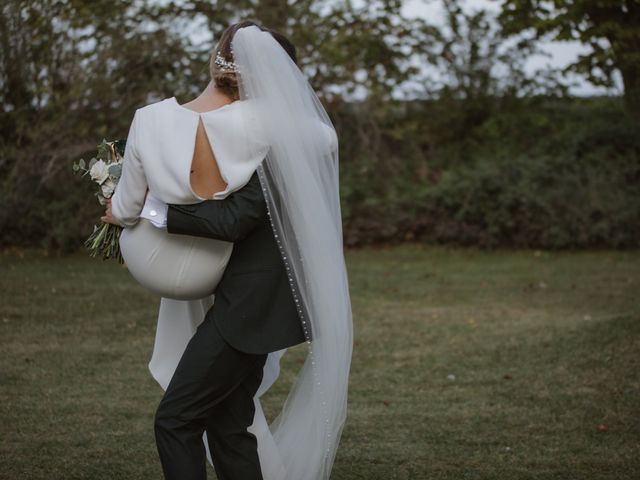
(212, 389)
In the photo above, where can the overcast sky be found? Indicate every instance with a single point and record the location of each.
(562, 53)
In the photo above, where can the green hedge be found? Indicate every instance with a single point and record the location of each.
(542, 173)
(548, 174)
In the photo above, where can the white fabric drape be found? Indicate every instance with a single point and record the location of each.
(300, 181)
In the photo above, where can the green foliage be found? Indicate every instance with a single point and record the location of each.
(342, 48)
(477, 62)
(611, 28)
(480, 159)
(72, 72)
(568, 178)
(551, 174)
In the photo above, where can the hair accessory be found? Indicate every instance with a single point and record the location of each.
(223, 64)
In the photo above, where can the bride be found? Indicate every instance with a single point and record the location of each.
(258, 116)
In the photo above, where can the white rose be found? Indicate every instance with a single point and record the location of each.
(99, 172)
(107, 188)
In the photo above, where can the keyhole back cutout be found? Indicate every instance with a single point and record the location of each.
(205, 177)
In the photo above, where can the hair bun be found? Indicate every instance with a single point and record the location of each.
(226, 80)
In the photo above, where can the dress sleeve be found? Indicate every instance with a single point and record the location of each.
(128, 199)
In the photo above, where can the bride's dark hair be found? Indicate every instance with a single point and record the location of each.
(226, 80)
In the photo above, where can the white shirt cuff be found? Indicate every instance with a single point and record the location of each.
(155, 210)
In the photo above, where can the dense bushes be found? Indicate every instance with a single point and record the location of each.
(544, 173)
(482, 162)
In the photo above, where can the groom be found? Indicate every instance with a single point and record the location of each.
(254, 313)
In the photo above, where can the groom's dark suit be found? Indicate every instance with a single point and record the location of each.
(254, 313)
(254, 308)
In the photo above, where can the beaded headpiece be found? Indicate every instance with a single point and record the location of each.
(223, 64)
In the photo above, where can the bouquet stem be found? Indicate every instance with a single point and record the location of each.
(105, 242)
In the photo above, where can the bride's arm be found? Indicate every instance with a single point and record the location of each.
(230, 219)
(128, 199)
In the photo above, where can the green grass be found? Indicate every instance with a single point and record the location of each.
(467, 365)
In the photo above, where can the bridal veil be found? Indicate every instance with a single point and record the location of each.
(299, 177)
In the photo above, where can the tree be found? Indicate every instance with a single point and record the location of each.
(610, 27)
(71, 73)
(342, 48)
(74, 71)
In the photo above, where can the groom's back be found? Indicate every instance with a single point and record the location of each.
(254, 307)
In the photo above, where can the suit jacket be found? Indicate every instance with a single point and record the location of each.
(254, 308)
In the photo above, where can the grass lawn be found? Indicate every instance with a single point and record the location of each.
(467, 365)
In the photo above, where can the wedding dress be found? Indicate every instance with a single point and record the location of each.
(160, 150)
(295, 154)
(184, 270)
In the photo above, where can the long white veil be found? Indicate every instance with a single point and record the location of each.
(300, 180)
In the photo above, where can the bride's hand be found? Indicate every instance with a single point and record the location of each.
(108, 216)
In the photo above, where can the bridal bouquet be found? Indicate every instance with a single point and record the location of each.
(104, 169)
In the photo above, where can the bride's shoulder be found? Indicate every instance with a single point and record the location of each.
(155, 107)
(154, 115)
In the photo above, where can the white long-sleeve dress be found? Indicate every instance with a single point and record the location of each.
(158, 156)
